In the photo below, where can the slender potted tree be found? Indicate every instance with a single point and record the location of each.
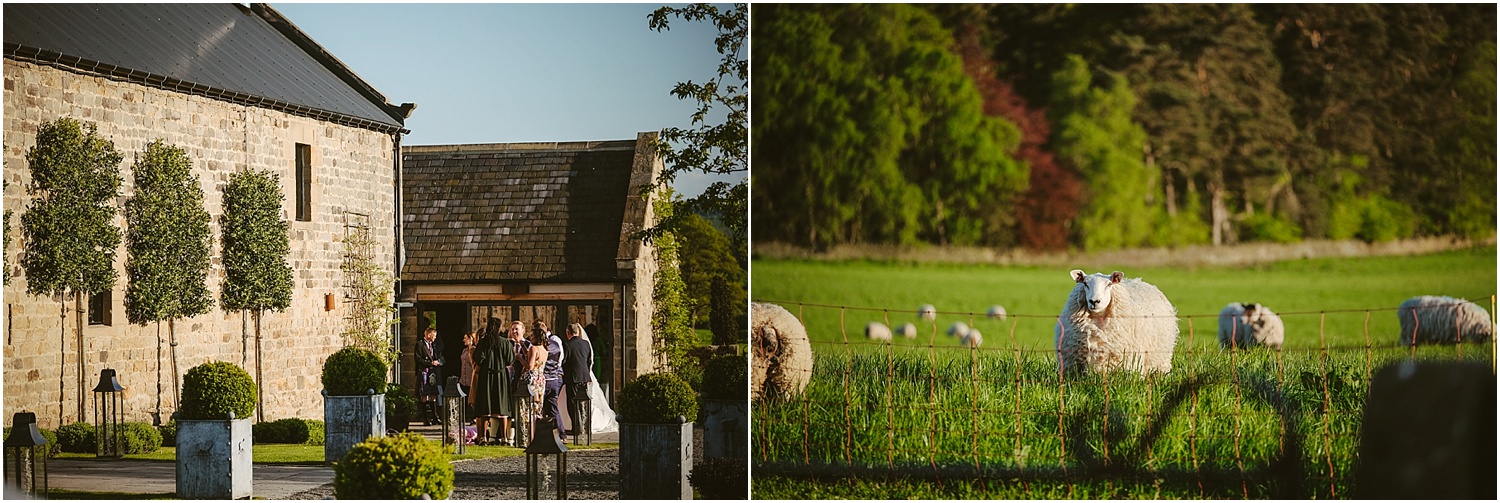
(656, 437)
(726, 409)
(354, 389)
(255, 246)
(213, 432)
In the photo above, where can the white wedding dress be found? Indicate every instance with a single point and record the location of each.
(603, 416)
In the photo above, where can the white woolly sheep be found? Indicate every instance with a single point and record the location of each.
(908, 331)
(781, 360)
(1443, 320)
(1110, 322)
(877, 331)
(958, 329)
(1247, 325)
(972, 338)
(927, 312)
(997, 312)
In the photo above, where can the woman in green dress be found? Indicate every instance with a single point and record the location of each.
(493, 357)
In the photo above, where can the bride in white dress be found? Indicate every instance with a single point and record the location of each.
(603, 417)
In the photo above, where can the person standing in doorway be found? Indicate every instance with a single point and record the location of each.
(552, 373)
(429, 356)
(578, 358)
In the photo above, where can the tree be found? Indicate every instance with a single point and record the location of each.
(256, 274)
(710, 146)
(1095, 133)
(168, 240)
(706, 257)
(70, 237)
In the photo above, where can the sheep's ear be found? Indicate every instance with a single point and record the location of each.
(1077, 276)
(1116, 277)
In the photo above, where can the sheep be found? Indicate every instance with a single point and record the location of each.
(908, 331)
(959, 329)
(972, 339)
(1443, 320)
(1110, 322)
(997, 312)
(877, 331)
(781, 361)
(927, 312)
(1247, 325)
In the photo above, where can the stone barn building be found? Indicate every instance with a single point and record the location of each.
(531, 231)
(238, 88)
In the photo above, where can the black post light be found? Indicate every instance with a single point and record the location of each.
(454, 421)
(26, 458)
(545, 449)
(109, 416)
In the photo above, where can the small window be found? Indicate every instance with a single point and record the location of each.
(99, 308)
(304, 182)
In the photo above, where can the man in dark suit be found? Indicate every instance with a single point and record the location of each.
(578, 365)
(429, 359)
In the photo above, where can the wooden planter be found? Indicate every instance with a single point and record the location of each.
(349, 420)
(213, 459)
(726, 429)
(655, 460)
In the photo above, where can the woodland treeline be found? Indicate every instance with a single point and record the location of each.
(1106, 126)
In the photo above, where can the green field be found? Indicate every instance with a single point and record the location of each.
(924, 418)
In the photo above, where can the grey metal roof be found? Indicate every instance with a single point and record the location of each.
(515, 212)
(222, 50)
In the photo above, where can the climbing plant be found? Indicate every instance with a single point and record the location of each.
(369, 289)
(671, 323)
(70, 236)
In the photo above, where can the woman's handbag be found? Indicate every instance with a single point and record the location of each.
(520, 388)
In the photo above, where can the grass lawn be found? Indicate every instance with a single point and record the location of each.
(64, 494)
(924, 418)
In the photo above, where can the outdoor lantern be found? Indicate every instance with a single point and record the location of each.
(26, 458)
(543, 473)
(109, 416)
(454, 422)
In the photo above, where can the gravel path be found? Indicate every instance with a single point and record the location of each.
(592, 475)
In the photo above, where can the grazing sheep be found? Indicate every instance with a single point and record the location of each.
(997, 312)
(959, 329)
(927, 312)
(908, 331)
(1110, 322)
(877, 331)
(972, 338)
(1246, 325)
(781, 356)
(1443, 320)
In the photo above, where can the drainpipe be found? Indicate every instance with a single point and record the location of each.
(397, 254)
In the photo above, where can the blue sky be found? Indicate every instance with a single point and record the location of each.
(500, 73)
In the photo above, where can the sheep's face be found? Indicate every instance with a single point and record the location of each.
(1096, 289)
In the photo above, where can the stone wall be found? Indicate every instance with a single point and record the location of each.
(352, 175)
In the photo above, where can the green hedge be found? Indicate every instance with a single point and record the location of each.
(77, 437)
(402, 466)
(215, 389)
(168, 434)
(657, 398)
(140, 438)
(353, 371)
(288, 431)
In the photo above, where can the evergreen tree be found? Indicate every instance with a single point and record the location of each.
(70, 237)
(706, 257)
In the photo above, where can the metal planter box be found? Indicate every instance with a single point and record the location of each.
(213, 459)
(655, 460)
(349, 420)
(726, 429)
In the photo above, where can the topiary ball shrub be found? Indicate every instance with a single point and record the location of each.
(720, 479)
(302, 431)
(353, 371)
(168, 434)
(269, 432)
(724, 378)
(402, 466)
(213, 390)
(657, 398)
(140, 438)
(77, 437)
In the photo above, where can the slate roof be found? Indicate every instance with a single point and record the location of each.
(249, 55)
(515, 212)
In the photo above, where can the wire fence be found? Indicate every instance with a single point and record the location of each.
(1002, 420)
